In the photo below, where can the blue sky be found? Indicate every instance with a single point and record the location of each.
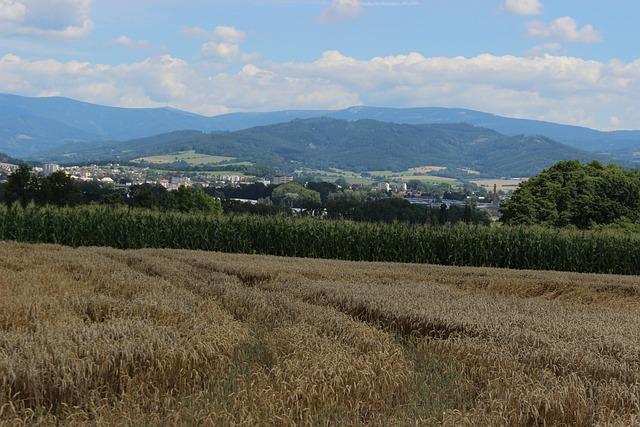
(571, 61)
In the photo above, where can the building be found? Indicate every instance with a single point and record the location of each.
(180, 181)
(400, 187)
(49, 168)
(383, 186)
(8, 168)
(284, 179)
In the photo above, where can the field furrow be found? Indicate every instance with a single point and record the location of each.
(103, 336)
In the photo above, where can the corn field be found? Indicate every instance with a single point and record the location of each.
(533, 248)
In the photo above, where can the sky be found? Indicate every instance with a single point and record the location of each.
(567, 61)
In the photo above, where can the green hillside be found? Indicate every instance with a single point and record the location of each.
(7, 159)
(356, 146)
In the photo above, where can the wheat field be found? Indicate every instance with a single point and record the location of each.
(168, 337)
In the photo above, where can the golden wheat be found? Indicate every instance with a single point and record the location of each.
(102, 336)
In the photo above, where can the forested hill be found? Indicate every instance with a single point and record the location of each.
(7, 159)
(353, 145)
(32, 126)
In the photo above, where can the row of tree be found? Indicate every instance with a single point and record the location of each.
(24, 187)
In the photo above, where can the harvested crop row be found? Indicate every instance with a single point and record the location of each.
(174, 336)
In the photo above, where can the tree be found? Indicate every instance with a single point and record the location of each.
(183, 199)
(444, 210)
(22, 186)
(59, 189)
(189, 200)
(324, 188)
(574, 194)
(295, 195)
(147, 196)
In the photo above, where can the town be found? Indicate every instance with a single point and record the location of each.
(124, 177)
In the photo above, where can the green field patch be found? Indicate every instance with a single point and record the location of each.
(190, 157)
(427, 178)
(333, 174)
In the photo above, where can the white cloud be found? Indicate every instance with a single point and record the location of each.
(46, 19)
(545, 49)
(523, 7)
(564, 29)
(222, 43)
(11, 10)
(556, 88)
(341, 9)
(229, 35)
(129, 42)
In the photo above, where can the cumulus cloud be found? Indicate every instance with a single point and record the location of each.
(132, 43)
(11, 10)
(564, 29)
(523, 7)
(544, 49)
(556, 88)
(63, 19)
(341, 9)
(222, 43)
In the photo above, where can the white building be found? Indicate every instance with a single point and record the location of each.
(49, 168)
(383, 186)
(400, 187)
(284, 179)
(8, 167)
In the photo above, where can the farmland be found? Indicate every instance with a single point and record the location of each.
(190, 157)
(520, 247)
(507, 185)
(103, 336)
(423, 173)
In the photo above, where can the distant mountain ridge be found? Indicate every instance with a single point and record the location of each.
(31, 126)
(360, 145)
(8, 159)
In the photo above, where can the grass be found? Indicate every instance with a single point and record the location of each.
(421, 170)
(420, 173)
(429, 178)
(332, 174)
(190, 157)
(156, 337)
(424, 173)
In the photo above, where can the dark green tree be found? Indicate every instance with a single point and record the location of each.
(324, 188)
(444, 211)
(60, 190)
(22, 186)
(191, 200)
(575, 194)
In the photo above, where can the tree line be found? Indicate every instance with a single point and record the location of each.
(24, 186)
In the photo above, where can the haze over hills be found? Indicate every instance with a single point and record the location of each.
(352, 145)
(7, 159)
(32, 126)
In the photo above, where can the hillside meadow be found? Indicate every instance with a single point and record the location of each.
(173, 337)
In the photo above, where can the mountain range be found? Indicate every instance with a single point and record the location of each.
(29, 126)
(361, 145)
(356, 138)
